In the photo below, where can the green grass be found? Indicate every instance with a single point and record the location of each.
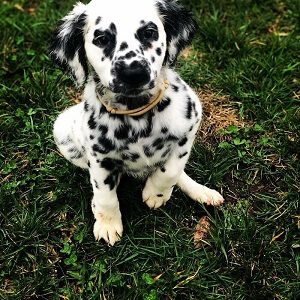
(248, 50)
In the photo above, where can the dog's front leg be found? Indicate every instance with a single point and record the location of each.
(159, 185)
(105, 204)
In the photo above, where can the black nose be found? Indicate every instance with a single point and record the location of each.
(136, 74)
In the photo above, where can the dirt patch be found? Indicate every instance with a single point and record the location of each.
(218, 114)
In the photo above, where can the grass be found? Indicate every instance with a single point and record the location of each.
(245, 51)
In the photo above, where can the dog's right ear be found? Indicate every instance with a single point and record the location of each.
(67, 45)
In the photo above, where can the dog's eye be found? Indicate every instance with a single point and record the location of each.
(149, 33)
(101, 39)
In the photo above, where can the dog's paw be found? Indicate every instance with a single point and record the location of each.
(155, 198)
(108, 227)
(205, 195)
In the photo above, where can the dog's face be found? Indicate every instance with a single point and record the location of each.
(125, 43)
(126, 50)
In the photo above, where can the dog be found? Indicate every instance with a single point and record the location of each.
(137, 116)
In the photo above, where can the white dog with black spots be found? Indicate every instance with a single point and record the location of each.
(123, 52)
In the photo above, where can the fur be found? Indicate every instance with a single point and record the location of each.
(122, 51)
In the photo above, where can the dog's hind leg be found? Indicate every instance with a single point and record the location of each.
(68, 134)
(198, 192)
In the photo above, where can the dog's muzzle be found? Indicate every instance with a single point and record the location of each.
(132, 76)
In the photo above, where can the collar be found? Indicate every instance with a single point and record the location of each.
(154, 100)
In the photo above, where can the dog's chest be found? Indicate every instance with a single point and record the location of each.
(139, 145)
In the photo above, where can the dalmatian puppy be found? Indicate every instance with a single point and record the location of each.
(123, 53)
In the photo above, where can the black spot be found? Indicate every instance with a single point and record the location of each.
(191, 128)
(182, 141)
(96, 184)
(189, 108)
(134, 156)
(163, 169)
(172, 138)
(158, 143)
(88, 164)
(105, 145)
(130, 54)
(122, 132)
(151, 84)
(96, 148)
(91, 122)
(91, 137)
(159, 195)
(146, 131)
(65, 141)
(142, 50)
(73, 149)
(103, 129)
(153, 59)
(98, 20)
(133, 139)
(166, 152)
(131, 156)
(76, 155)
(110, 164)
(123, 46)
(113, 28)
(112, 179)
(147, 151)
(96, 78)
(175, 87)
(158, 51)
(86, 106)
(163, 104)
(182, 155)
(164, 130)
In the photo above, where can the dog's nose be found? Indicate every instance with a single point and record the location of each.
(135, 74)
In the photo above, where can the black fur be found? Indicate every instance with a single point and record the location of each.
(70, 44)
(177, 20)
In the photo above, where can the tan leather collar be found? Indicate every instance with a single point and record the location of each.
(140, 110)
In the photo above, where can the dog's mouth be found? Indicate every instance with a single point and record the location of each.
(131, 91)
(127, 92)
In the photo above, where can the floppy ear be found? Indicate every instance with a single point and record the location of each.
(67, 46)
(179, 26)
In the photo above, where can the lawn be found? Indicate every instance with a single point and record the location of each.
(245, 64)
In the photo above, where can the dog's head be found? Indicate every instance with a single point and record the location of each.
(124, 43)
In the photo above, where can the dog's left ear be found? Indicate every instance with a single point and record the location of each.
(67, 45)
(179, 26)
